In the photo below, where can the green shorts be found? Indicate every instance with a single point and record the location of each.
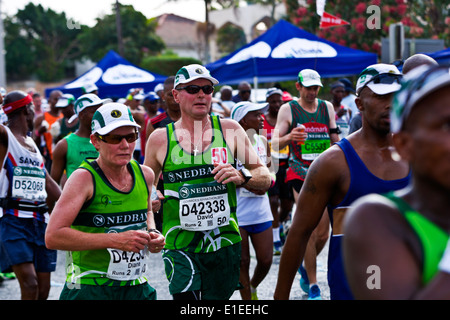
(89, 292)
(215, 274)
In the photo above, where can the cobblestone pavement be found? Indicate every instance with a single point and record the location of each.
(9, 289)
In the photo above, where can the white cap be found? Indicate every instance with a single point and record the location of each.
(309, 77)
(89, 88)
(86, 101)
(381, 78)
(65, 100)
(240, 109)
(192, 72)
(112, 116)
(272, 91)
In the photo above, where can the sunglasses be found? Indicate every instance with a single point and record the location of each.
(384, 78)
(193, 89)
(116, 138)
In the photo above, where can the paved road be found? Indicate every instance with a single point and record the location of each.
(9, 289)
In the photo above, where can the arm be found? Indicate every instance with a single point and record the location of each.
(281, 137)
(53, 191)
(156, 241)
(242, 149)
(59, 160)
(318, 189)
(3, 143)
(60, 236)
(334, 137)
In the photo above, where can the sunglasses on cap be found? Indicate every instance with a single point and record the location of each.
(117, 138)
(193, 89)
(384, 78)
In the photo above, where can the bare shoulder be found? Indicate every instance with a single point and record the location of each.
(330, 161)
(229, 124)
(158, 138)
(148, 173)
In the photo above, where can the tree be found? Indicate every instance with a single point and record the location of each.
(39, 41)
(422, 19)
(138, 36)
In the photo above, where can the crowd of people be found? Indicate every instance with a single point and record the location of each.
(201, 178)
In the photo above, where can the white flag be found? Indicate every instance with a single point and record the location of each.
(320, 5)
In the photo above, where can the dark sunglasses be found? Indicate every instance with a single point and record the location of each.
(116, 138)
(245, 91)
(193, 89)
(384, 78)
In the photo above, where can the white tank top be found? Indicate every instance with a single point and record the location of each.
(22, 181)
(253, 208)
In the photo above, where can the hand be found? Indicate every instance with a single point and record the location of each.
(156, 242)
(226, 173)
(132, 240)
(156, 204)
(299, 135)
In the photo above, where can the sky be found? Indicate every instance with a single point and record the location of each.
(85, 11)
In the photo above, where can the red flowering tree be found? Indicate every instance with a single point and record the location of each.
(422, 19)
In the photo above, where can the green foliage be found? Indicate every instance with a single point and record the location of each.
(230, 38)
(39, 42)
(167, 65)
(138, 33)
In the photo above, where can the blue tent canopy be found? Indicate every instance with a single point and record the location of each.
(114, 76)
(441, 56)
(282, 52)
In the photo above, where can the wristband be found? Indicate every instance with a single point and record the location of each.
(444, 264)
(335, 130)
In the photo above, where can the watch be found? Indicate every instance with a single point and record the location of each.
(246, 174)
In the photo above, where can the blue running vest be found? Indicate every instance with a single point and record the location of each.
(362, 182)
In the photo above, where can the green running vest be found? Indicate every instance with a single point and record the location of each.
(432, 237)
(199, 213)
(78, 149)
(110, 211)
(317, 127)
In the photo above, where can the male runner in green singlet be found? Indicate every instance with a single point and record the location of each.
(396, 246)
(308, 126)
(104, 217)
(70, 152)
(196, 156)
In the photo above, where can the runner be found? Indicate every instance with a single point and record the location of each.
(404, 234)
(280, 194)
(26, 192)
(357, 165)
(70, 152)
(196, 156)
(104, 217)
(253, 207)
(308, 126)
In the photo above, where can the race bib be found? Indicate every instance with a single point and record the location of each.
(317, 142)
(126, 266)
(28, 183)
(204, 206)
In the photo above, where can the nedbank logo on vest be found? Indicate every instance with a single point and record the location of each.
(189, 173)
(186, 192)
(117, 219)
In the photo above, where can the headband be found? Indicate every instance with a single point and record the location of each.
(12, 106)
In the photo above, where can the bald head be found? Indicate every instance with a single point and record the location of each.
(417, 60)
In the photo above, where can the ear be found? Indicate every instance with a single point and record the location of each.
(359, 104)
(95, 141)
(175, 95)
(403, 144)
